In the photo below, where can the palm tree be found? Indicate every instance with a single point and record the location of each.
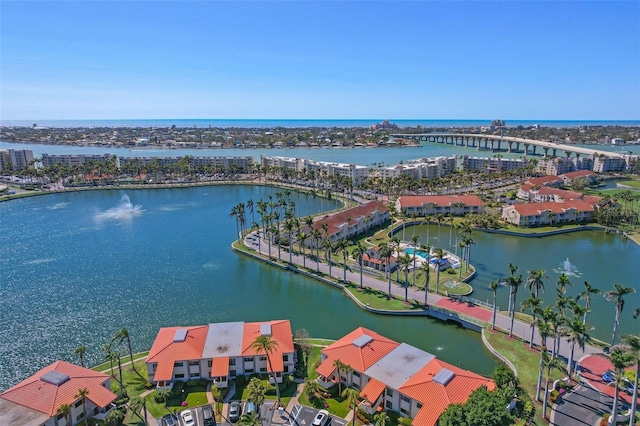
(620, 359)
(358, 253)
(82, 394)
(405, 263)
(265, 344)
(251, 419)
(342, 247)
(121, 336)
(65, 411)
(395, 241)
(106, 348)
(381, 418)
(352, 395)
(427, 270)
(617, 294)
(632, 346)
(256, 392)
(386, 253)
(494, 286)
(80, 351)
(576, 333)
(544, 331)
(137, 404)
(514, 282)
(562, 283)
(302, 236)
(549, 363)
(439, 255)
(414, 241)
(586, 295)
(533, 303)
(339, 365)
(535, 281)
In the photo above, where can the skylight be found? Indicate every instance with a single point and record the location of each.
(265, 329)
(443, 377)
(180, 336)
(362, 340)
(54, 377)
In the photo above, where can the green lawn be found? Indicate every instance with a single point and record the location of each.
(287, 388)
(105, 366)
(334, 404)
(193, 392)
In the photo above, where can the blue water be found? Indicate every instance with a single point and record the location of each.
(419, 253)
(76, 267)
(293, 123)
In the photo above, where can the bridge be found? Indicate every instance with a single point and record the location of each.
(513, 144)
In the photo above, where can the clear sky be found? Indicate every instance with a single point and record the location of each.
(549, 60)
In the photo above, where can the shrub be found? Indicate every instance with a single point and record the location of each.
(451, 271)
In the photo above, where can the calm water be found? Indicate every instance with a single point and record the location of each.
(77, 267)
(594, 256)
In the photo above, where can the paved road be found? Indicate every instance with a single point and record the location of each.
(582, 407)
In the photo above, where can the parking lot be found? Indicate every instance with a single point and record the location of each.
(197, 413)
(303, 416)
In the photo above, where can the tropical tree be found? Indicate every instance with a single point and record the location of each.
(339, 366)
(562, 284)
(414, 241)
(264, 344)
(576, 334)
(106, 349)
(342, 247)
(620, 359)
(494, 286)
(82, 394)
(352, 395)
(120, 336)
(514, 282)
(381, 418)
(358, 253)
(250, 419)
(438, 253)
(632, 346)
(549, 363)
(587, 295)
(65, 411)
(256, 392)
(310, 388)
(136, 405)
(533, 304)
(80, 351)
(617, 295)
(386, 252)
(427, 271)
(404, 263)
(535, 281)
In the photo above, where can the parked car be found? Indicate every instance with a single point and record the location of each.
(207, 416)
(169, 420)
(608, 376)
(321, 418)
(251, 407)
(187, 418)
(235, 410)
(627, 386)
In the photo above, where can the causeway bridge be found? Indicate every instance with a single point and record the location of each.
(510, 144)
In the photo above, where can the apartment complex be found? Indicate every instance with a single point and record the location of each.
(241, 163)
(492, 164)
(220, 352)
(423, 205)
(72, 160)
(356, 173)
(397, 376)
(548, 213)
(351, 222)
(16, 159)
(36, 400)
(560, 165)
(427, 168)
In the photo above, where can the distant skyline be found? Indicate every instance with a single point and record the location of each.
(537, 60)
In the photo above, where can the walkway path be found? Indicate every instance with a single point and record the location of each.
(481, 314)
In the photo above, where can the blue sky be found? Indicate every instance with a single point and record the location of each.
(303, 59)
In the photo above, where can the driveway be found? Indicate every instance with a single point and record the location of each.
(581, 407)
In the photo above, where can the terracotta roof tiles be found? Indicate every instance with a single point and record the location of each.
(439, 200)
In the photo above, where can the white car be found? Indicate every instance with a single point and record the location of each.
(321, 418)
(187, 418)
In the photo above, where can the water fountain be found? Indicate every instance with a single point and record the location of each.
(124, 212)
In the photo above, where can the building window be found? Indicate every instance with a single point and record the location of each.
(78, 404)
(195, 375)
(285, 358)
(179, 376)
(248, 371)
(263, 358)
(178, 364)
(389, 392)
(154, 366)
(286, 368)
(80, 416)
(405, 398)
(355, 385)
(209, 363)
(263, 369)
(193, 363)
(232, 373)
(60, 417)
(355, 373)
(248, 359)
(419, 405)
(403, 411)
(389, 405)
(232, 361)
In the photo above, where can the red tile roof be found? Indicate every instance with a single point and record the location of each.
(579, 173)
(47, 398)
(545, 181)
(220, 367)
(534, 209)
(561, 193)
(358, 358)
(166, 352)
(372, 390)
(341, 217)
(434, 396)
(439, 200)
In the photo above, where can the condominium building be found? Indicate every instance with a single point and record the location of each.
(602, 164)
(427, 168)
(423, 205)
(355, 172)
(560, 165)
(71, 160)
(397, 376)
(219, 351)
(548, 213)
(493, 164)
(16, 159)
(241, 163)
(36, 401)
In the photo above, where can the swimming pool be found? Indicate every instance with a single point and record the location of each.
(420, 253)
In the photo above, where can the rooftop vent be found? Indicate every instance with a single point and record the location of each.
(55, 378)
(362, 340)
(265, 329)
(180, 335)
(443, 377)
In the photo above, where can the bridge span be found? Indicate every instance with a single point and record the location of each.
(513, 144)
